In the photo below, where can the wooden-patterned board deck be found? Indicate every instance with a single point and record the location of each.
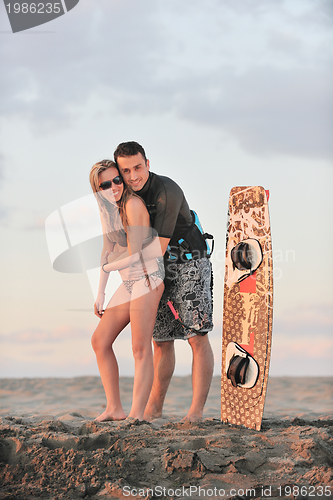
(248, 306)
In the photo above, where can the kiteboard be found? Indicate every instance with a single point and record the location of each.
(247, 308)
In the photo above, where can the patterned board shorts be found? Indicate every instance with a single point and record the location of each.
(190, 292)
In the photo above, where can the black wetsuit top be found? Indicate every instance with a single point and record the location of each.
(168, 209)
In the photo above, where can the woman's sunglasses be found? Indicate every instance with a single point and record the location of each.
(107, 184)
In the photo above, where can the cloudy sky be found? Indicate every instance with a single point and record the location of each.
(220, 93)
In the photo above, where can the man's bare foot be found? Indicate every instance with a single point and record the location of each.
(151, 415)
(192, 418)
(131, 420)
(107, 417)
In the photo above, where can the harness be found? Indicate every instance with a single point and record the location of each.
(192, 245)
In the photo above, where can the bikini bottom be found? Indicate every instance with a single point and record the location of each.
(158, 274)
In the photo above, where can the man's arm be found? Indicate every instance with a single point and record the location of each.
(164, 242)
(156, 248)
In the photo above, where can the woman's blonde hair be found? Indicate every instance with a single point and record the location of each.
(112, 211)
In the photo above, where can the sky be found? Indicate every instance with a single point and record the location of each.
(220, 94)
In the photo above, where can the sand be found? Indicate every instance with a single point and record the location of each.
(51, 448)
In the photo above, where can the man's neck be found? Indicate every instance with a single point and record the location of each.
(145, 188)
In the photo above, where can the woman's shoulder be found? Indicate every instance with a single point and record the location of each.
(134, 202)
(136, 211)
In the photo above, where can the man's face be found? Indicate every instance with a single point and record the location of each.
(135, 170)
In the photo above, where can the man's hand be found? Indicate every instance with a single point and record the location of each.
(98, 306)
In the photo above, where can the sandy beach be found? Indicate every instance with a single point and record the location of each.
(51, 448)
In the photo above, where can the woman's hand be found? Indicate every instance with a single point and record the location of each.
(98, 306)
(134, 272)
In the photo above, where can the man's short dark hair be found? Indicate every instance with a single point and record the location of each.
(130, 148)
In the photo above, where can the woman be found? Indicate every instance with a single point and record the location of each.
(126, 233)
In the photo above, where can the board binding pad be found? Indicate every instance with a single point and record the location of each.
(247, 309)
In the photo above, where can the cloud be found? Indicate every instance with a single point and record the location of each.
(259, 73)
(3, 210)
(46, 80)
(302, 342)
(268, 110)
(302, 345)
(37, 335)
(62, 352)
(306, 323)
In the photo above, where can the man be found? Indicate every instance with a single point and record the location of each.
(187, 282)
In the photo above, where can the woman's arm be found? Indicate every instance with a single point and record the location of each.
(108, 247)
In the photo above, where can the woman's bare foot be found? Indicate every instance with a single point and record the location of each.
(109, 417)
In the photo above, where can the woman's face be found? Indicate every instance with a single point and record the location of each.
(115, 191)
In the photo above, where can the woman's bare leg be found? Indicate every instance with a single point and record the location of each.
(143, 314)
(113, 321)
